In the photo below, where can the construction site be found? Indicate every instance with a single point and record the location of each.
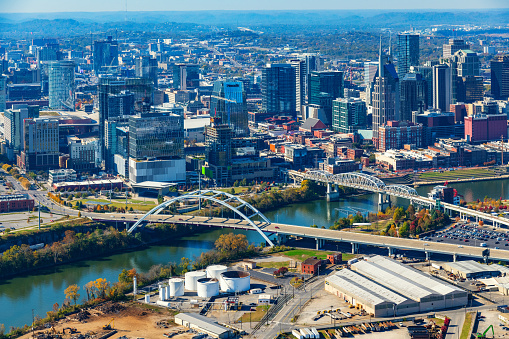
(114, 320)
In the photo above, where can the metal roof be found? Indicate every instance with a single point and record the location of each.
(403, 279)
(365, 289)
(472, 267)
(204, 323)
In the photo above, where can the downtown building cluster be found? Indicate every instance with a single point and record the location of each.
(164, 110)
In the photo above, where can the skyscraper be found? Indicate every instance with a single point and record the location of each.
(300, 82)
(413, 95)
(442, 87)
(3, 92)
(278, 89)
(500, 77)
(186, 76)
(427, 75)
(61, 85)
(348, 115)
(324, 87)
(146, 67)
(218, 154)
(228, 101)
(40, 151)
(105, 55)
(385, 98)
(408, 52)
(13, 124)
(453, 46)
(118, 97)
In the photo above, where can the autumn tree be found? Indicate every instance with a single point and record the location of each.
(232, 243)
(101, 285)
(71, 293)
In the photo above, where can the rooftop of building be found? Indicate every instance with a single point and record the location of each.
(365, 289)
(202, 322)
(14, 197)
(472, 267)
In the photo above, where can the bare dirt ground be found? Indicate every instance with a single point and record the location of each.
(130, 320)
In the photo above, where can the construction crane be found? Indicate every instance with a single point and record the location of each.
(110, 325)
(483, 335)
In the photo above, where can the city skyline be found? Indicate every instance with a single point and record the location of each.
(34, 6)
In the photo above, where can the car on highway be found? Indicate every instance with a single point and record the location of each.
(277, 227)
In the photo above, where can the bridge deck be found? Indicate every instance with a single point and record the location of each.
(318, 233)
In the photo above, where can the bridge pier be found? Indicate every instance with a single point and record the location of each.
(281, 239)
(355, 248)
(384, 201)
(428, 255)
(319, 243)
(455, 257)
(332, 192)
(391, 251)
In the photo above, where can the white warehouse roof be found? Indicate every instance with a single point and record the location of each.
(472, 267)
(403, 279)
(365, 289)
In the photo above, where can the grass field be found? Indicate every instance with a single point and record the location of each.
(303, 254)
(137, 205)
(465, 331)
(255, 316)
(458, 174)
(273, 264)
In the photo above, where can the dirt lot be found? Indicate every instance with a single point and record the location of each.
(130, 320)
(491, 318)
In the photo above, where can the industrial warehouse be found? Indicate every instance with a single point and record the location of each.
(384, 287)
(470, 269)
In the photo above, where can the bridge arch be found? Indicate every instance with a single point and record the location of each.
(358, 180)
(402, 190)
(212, 195)
(319, 175)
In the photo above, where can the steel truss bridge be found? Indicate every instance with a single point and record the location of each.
(370, 183)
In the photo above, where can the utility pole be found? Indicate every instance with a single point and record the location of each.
(39, 215)
(199, 188)
(502, 150)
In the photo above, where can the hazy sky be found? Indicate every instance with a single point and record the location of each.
(182, 5)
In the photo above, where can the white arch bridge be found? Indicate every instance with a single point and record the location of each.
(246, 211)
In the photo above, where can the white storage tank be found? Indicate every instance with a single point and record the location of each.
(147, 298)
(191, 279)
(214, 271)
(176, 287)
(207, 287)
(162, 293)
(235, 281)
(166, 292)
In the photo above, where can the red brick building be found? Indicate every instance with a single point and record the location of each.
(16, 202)
(398, 133)
(310, 265)
(482, 128)
(335, 258)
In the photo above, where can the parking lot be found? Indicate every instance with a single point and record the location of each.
(472, 235)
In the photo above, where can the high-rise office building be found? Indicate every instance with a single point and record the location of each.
(186, 76)
(442, 87)
(105, 56)
(50, 52)
(469, 89)
(3, 92)
(61, 85)
(40, 151)
(468, 63)
(324, 87)
(218, 154)
(156, 135)
(453, 46)
(278, 89)
(427, 75)
(122, 90)
(156, 147)
(228, 101)
(13, 125)
(146, 67)
(408, 52)
(300, 82)
(348, 115)
(370, 73)
(413, 95)
(385, 97)
(500, 77)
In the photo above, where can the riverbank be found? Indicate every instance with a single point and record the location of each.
(451, 181)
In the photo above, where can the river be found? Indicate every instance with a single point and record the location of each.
(18, 296)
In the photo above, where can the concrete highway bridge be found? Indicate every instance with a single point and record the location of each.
(249, 218)
(370, 183)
